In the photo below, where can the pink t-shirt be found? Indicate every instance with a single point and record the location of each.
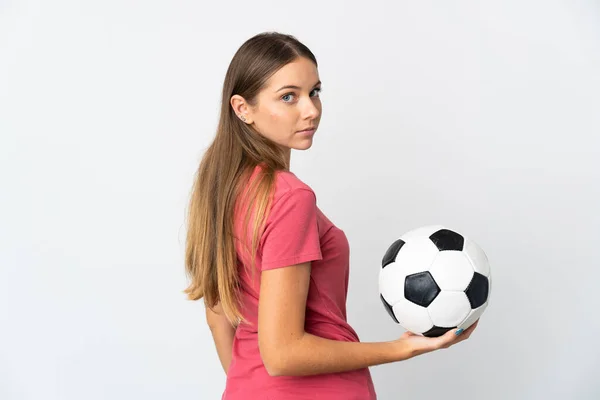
(296, 231)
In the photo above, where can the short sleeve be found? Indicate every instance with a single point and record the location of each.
(291, 234)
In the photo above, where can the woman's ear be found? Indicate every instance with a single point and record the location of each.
(240, 108)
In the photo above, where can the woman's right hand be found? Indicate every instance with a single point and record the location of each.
(417, 344)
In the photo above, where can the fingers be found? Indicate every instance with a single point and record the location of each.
(444, 341)
(441, 342)
(466, 333)
(450, 338)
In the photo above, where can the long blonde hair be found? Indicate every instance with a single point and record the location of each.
(224, 172)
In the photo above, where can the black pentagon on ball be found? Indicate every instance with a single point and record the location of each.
(420, 288)
(477, 291)
(446, 239)
(392, 252)
(388, 308)
(437, 331)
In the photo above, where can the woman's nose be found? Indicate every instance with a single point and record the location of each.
(311, 111)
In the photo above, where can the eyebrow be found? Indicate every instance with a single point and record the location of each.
(294, 87)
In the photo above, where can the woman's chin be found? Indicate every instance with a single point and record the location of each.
(304, 145)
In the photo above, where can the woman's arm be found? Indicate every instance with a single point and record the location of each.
(310, 355)
(222, 333)
(286, 349)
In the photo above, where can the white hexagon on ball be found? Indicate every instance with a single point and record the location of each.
(452, 270)
(412, 317)
(449, 309)
(478, 259)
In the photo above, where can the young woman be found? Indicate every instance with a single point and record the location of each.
(271, 267)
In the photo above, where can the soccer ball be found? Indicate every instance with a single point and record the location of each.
(433, 279)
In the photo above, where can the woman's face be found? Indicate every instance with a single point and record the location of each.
(283, 112)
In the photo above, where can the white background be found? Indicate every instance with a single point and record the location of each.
(481, 116)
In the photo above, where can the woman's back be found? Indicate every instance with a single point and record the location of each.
(296, 231)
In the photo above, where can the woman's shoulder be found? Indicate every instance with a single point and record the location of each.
(287, 181)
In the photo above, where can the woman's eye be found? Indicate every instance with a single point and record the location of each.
(318, 90)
